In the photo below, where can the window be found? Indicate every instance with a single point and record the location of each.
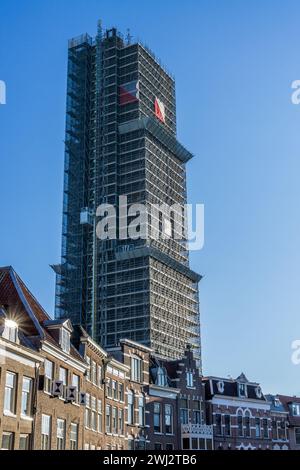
(46, 432)
(26, 396)
(107, 415)
(130, 444)
(99, 376)
(24, 441)
(74, 436)
(121, 421)
(197, 412)
(114, 389)
(240, 424)
(49, 367)
(242, 390)
(93, 372)
(161, 378)
(121, 392)
(189, 379)
(60, 434)
(136, 369)
(65, 340)
(218, 424)
(184, 412)
(108, 388)
(169, 446)
(247, 424)
(169, 419)
(63, 375)
(10, 331)
(297, 436)
(130, 407)
(7, 440)
(265, 428)
(157, 417)
(114, 420)
(88, 371)
(227, 425)
(99, 415)
(296, 409)
(142, 411)
(75, 381)
(87, 410)
(257, 427)
(93, 414)
(157, 446)
(10, 392)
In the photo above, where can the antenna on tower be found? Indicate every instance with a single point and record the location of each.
(128, 37)
(99, 29)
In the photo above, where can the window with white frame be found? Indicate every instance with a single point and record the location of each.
(60, 434)
(265, 428)
(136, 369)
(184, 411)
(99, 415)
(65, 340)
(24, 441)
(296, 409)
(93, 372)
(7, 440)
(247, 424)
(46, 432)
(242, 390)
(240, 423)
(88, 371)
(141, 410)
(218, 422)
(227, 427)
(87, 410)
(26, 396)
(94, 413)
(189, 379)
(157, 417)
(121, 421)
(74, 436)
(108, 418)
(63, 376)
(169, 419)
(114, 420)
(114, 390)
(49, 371)
(10, 392)
(76, 383)
(99, 375)
(121, 392)
(10, 331)
(130, 416)
(161, 378)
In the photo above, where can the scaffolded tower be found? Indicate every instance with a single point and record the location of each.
(121, 140)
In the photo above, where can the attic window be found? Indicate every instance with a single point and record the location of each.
(242, 390)
(65, 340)
(10, 331)
(161, 379)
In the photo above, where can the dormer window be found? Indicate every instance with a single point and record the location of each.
(296, 409)
(65, 340)
(242, 390)
(10, 331)
(277, 402)
(161, 378)
(258, 392)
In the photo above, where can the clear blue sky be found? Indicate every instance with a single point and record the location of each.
(234, 62)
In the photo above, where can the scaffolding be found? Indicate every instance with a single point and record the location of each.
(140, 289)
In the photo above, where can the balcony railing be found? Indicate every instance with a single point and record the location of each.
(197, 430)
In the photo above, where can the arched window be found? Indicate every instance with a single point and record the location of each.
(247, 424)
(161, 378)
(240, 423)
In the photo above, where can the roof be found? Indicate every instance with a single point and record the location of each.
(21, 305)
(287, 401)
(228, 387)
